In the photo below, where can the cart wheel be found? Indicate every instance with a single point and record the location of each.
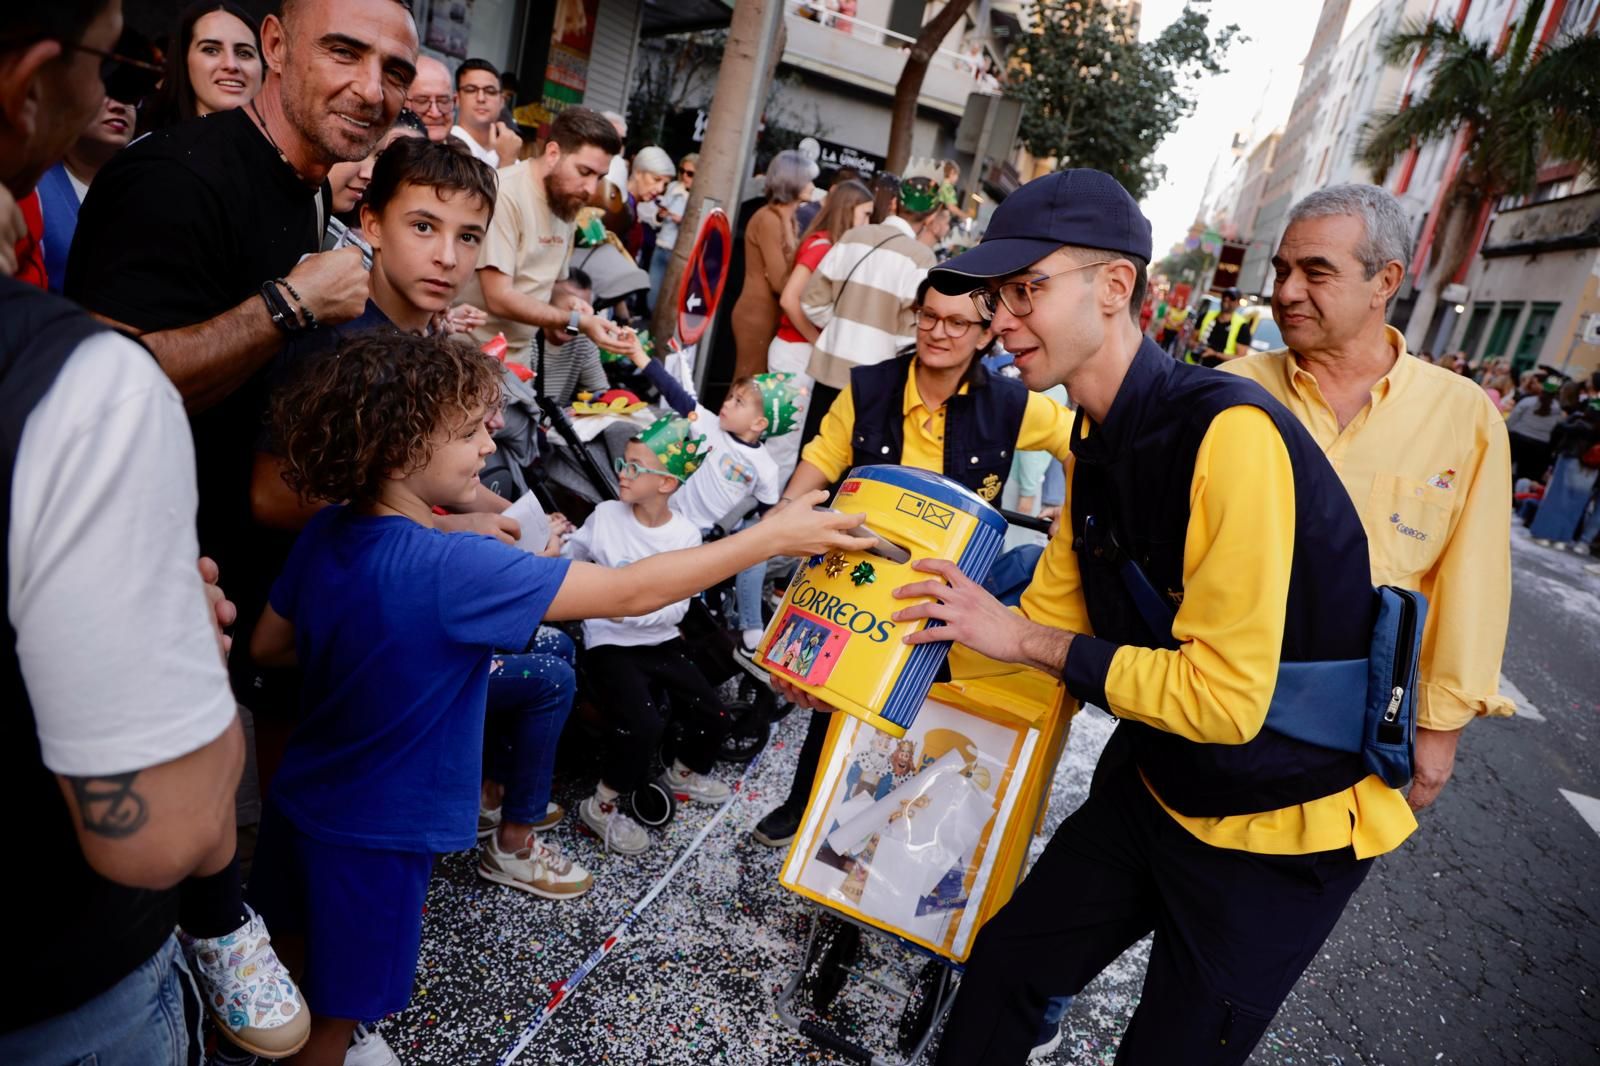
(923, 1004)
(747, 737)
(834, 949)
(652, 804)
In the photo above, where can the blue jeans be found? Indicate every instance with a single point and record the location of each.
(530, 697)
(138, 1021)
(748, 586)
(1565, 498)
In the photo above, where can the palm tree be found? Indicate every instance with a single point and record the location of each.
(1522, 108)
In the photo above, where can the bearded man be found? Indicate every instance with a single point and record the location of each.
(529, 241)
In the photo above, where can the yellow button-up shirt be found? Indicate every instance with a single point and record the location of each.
(1046, 427)
(1216, 686)
(1428, 465)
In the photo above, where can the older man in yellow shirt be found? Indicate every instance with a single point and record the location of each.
(1422, 452)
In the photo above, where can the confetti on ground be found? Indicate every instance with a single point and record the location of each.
(696, 977)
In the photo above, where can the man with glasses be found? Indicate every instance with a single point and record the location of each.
(118, 790)
(1210, 540)
(478, 105)
(432, 96)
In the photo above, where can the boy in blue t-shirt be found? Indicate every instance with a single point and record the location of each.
(393, 623)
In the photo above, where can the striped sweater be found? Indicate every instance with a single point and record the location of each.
(860, 296)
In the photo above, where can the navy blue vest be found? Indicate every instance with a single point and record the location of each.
(1133, 475)
(81, 933)
(980, 425)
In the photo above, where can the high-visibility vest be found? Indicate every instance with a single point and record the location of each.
(1233, 330)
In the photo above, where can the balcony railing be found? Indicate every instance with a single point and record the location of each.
(862, 53)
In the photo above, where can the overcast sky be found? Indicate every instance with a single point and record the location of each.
(1280, 33)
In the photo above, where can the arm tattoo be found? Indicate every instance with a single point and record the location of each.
(109, 806)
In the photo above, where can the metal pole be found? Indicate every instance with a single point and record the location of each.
(1577, 339)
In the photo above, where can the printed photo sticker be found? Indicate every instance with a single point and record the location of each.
(807, 647)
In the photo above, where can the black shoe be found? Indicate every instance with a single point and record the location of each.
(778, 828)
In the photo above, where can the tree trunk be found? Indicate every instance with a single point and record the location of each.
(724, 154)
(904, 111)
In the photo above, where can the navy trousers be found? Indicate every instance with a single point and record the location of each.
(1233, 932)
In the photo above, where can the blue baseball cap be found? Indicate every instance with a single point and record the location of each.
(1087, 208)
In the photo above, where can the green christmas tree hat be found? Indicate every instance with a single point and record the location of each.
(672, 439)
(780, 400)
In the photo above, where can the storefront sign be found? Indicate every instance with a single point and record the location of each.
(566, 74)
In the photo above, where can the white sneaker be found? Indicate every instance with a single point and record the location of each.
(540, 868)
(688, 785)
(616, 830)
(746, 661)
(1581, 548)
(248, 991)
(1043, 1051)
(1543, 542)
(367, 1048)
(750, 638)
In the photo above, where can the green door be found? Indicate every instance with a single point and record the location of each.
(1500, 336)
(1476, 325)
(1533, 334)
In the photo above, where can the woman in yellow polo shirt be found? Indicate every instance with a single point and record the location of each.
(935, 407)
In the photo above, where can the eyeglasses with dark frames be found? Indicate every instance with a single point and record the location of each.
(955, 327)
(1017, 296)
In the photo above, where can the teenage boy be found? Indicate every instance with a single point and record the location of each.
(424, 213)
(641, 656)
(1237, 845)
(478, 124)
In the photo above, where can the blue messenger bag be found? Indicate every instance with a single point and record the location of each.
(1364, 706)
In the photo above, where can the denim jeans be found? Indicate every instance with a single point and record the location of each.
(748, 586)
(1565, 498)
(530, 697)
(139, 1021)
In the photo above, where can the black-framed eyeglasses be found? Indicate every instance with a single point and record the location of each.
(1017, 296)
(127, 80)
(955, 327)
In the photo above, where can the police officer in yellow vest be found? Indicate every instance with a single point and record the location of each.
(1223, 333)
(1236, 844)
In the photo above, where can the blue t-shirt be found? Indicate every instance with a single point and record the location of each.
(394, 626)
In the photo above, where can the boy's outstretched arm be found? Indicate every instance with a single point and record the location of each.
(598, 592)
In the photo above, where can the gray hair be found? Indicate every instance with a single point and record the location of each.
(652, 159)
(617, 121)
(788, 175)
(1388, 234)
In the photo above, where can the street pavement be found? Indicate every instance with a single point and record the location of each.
(1476, 942)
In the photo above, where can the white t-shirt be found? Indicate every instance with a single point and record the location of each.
(732, 472)
(114, 635)
(488, 155)
(614, 537)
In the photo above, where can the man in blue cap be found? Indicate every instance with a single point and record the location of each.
(1237, 845)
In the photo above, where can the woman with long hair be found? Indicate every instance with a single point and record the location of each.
(213, 64)
(848, 205)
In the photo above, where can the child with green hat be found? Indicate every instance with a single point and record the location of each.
(642, 657)
(740, 466)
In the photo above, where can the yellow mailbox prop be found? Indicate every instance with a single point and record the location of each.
(833, 635)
